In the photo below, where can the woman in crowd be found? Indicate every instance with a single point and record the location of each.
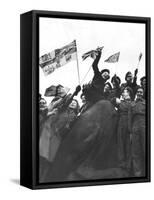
(137, 114)
(116, 90)
(123, 132)
(130, 82)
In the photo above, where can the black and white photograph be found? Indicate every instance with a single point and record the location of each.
(92, 100)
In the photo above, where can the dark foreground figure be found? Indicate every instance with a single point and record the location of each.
(90, 149)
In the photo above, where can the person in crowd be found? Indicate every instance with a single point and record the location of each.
(130, 82)
(94, 90)
(116, 90)
(83, 99)
(57, 125)
(137, 114)
(143, 85)
(107, 91)
(123, 132)
(59, 93)
(43, 110)
(69, 114)
(84, 106)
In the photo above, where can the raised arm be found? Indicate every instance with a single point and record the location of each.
(135, 77)
(95, 63)
(68, 98)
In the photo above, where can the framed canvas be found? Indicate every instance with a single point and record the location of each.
(85, 99)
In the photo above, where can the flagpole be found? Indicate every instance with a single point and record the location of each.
(77, 64)
(86, 74)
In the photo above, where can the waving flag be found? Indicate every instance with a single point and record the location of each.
(114, 58)
(58, 58)
(52, 90)
(91, 53)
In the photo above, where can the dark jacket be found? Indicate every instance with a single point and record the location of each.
(123, 135)
(98, 82)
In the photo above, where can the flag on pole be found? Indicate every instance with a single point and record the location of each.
(114, 58)
(58, 58)
(140, 56)
(52, 90)
(91, 53)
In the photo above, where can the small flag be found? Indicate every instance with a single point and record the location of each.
(91, 53)
(114, 58)
(52, 90)
(140, 56)
(58, 58)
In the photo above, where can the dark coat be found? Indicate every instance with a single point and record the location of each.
(94, 91)
(123, 135)
(138, 136)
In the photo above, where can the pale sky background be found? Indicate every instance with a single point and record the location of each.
(128, 38)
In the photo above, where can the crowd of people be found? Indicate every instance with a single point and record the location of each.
(128, 100)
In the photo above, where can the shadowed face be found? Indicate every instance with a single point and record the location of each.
(83, 99)
(129, 77)
(61, 91)
(139, 93)
(73, 104)
(114, 84)
(106, 88)
(126, 94)
(42, 103)
(143, 83)
(105, 75)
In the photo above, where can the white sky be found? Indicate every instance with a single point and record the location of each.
(128, 38)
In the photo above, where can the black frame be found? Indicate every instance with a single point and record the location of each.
(29, 85)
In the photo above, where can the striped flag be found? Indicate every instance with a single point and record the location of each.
(91, 53)
(114, 58)
(58, 58)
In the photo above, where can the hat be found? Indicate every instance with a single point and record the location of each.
(127, 74)
(50, 91)
(53, 90)
(105, 70)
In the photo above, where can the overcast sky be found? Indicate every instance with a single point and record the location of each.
(128, 38)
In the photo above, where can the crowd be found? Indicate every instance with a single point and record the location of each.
(128, 100)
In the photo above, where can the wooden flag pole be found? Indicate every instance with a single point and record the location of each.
(77, 64)
(86, 74)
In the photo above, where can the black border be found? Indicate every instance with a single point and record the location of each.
(35, 92)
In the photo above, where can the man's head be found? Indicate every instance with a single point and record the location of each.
(143, 81)
(107, 87)
(105, 73)
(129, 77)
(139, 93)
